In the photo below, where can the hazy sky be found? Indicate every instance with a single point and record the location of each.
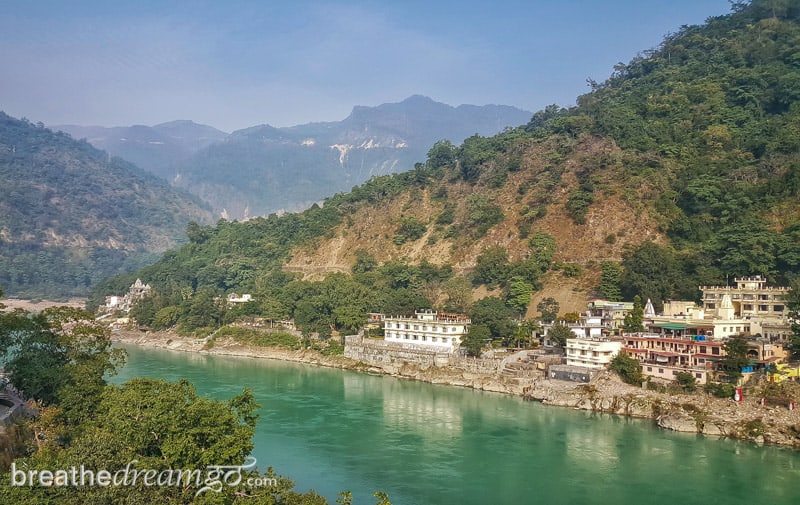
(236, 64)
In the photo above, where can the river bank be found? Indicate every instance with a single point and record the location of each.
(694, 413)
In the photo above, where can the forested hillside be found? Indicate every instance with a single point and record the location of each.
(679, 170)
(70, 216)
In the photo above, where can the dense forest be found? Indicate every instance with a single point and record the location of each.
(704, 140)
(71, 216)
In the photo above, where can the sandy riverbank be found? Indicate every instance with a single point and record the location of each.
(698, 413)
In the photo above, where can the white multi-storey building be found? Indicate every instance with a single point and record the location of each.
(437, 331)
(591, 352)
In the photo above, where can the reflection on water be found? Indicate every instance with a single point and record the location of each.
(334, 430)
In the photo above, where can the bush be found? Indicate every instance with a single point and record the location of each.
(720, 389)
(628, 369)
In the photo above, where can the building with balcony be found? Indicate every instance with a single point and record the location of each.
(591, 352)
(437, 331)
(760, 307)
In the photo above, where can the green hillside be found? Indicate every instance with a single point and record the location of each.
(70, 216)
(679, 170)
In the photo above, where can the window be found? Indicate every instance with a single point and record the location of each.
(763, 308)
(711, 306)
(674, 372)
(703, 349)
(434, 339)
(424, 338)
(747, 306)
(715, 350)
(778, 308)
(649, 369)
(698, 375)
(660, 370)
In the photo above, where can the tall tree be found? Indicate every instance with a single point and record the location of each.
(735, 356)
(634, 320)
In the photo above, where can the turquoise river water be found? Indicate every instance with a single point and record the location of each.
(334, 430)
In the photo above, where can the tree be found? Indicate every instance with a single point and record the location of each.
(548, 308)
(524, 331)
(442, 154)
(496, 315)
(634, 320)
(476, 338)
(459, 294)
(365, 262)
(629, 369)
(519, 294)
(735, 356)
(650, 271)
(687, 381)
(793, 304)
(559, 334)
(491, 267)
(60, 357)
(610, 280)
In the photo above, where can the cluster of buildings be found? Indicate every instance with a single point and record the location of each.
(124, 303)
(687, 337)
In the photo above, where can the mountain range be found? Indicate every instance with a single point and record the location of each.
(264, 169)
(71, 215)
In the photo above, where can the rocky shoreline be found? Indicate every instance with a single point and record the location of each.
(692, 413)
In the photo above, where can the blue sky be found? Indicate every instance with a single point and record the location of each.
(240, 63)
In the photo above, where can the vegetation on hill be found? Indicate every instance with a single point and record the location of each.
(680, 170)
(70, 216)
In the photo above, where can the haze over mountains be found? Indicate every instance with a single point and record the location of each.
(264, 169)
(70, 215)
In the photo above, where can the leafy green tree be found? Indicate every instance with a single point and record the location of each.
(496, 315)
(559, 333)
(476, 338)
(548, 308)
(735, 356)
(60, 356)
(482, 214)
(650, 271)
(687, 381)
(459, 294)
(629, 369)
(442, 154)
(365, 262)
(519, 294)
(491, 267)
(524, 332)
(634, 320)
(610, 280)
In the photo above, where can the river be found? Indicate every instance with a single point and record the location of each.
(334, 430)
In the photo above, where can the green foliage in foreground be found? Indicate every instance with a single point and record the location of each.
(143, 424)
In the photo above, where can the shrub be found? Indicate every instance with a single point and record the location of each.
(628, 369)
